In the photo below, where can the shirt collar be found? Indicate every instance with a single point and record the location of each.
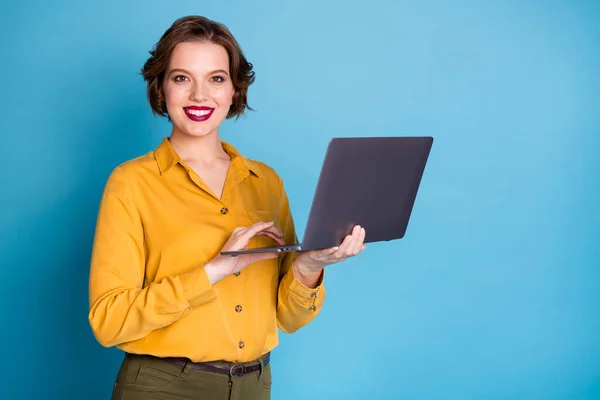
(166, 157)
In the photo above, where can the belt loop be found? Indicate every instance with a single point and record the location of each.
(187, 368)
(262, 367)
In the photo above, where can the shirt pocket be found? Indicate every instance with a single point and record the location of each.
(255, 203)
(260, 204)
(261, 215)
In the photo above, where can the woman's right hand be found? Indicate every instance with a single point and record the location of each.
(222, 266)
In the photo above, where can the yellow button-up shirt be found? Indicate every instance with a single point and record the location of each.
(158, 224)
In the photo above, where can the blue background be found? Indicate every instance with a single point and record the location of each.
(493, 294)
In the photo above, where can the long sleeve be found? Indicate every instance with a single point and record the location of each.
(297, 305)
(122, 309)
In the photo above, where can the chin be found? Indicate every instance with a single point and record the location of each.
(200, 132)
(196, 131)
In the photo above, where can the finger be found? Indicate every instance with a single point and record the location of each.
(263, 226)
(358, 243)
(273, 232)
(252, 230)
(273, 229)
(272, 236)
(343, 250)
(326, 253)
(354, 238)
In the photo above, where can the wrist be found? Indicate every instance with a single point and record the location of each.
(213, 273)
(309, 277)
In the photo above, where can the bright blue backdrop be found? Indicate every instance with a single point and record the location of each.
(493, 294)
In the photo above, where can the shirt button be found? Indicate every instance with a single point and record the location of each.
(224, 210)
(313, 294)
(236, 274)
(241, 344)
(312, 308)
(238, 308)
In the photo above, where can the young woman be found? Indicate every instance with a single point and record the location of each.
(194, 324)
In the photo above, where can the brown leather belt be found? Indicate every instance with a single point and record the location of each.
(231, 369)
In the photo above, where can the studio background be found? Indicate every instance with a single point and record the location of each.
(494, 293)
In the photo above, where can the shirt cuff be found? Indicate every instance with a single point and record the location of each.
(309, 298)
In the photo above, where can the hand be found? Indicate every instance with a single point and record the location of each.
(310, 264)
(222, 266)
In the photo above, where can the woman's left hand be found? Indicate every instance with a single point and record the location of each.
(314, 261)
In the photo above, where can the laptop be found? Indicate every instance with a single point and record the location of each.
(371, 182)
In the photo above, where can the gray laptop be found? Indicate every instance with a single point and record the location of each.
(371, 182)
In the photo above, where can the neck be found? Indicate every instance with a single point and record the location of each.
(204, 149)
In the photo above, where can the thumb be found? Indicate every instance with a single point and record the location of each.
(327, 252)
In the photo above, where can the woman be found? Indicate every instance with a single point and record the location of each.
(194, 324)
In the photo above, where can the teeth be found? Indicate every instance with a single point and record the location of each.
(199, 113)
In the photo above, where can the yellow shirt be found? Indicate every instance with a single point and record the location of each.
(158, 224)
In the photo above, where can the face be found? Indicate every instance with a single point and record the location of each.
(197, 88)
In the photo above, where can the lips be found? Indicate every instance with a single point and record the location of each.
(198, 114)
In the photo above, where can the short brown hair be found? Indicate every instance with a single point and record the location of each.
(197, 28)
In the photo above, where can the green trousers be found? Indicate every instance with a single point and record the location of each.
(151, 378)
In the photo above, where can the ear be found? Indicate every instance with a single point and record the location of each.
(162, 100)
(234, 95)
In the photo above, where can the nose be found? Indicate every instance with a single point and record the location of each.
(199, 92)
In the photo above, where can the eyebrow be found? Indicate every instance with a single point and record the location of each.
(221, 71)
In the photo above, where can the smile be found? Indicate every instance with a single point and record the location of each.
(198, 114)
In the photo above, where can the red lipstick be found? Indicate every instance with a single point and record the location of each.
(199, 114)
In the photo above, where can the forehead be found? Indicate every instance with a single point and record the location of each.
(199, 57)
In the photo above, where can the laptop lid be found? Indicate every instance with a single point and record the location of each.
(371, 182)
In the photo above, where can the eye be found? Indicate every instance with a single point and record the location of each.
(180, 78)
(218, 79)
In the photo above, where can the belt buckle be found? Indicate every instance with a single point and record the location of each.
(233, 372)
